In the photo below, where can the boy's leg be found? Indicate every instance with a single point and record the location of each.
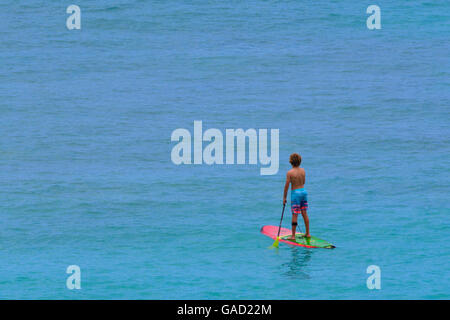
(294, 226)
(306, 219)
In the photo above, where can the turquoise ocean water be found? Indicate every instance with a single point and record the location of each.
(86, 176)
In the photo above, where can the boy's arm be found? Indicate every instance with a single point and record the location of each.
(286, 188)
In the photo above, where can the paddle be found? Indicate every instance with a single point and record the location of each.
(275, 244)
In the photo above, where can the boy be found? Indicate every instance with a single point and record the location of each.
(299, 197)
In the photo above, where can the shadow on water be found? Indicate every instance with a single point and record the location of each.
(296, 267)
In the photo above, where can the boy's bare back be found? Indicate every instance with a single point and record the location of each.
(297, 177)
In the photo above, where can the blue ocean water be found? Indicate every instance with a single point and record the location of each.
(86, 176)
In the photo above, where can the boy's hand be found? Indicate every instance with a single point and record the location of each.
(284, 201)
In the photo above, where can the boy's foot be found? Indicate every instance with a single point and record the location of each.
(291, 238)
(307, 236)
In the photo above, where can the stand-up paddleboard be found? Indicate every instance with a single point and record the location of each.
(301, 240)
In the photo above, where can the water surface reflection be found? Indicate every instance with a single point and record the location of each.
(297, 266)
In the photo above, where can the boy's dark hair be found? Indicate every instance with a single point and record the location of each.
(295, 159)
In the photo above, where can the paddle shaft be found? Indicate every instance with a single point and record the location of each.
(282, 214)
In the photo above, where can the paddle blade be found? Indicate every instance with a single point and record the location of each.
(276, 243)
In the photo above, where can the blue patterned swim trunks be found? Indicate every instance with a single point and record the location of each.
(299, 200)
